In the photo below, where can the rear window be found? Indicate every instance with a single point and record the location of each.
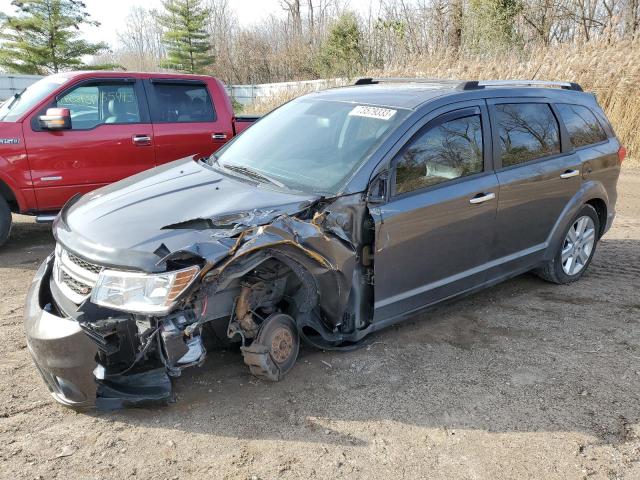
(582, 125)
(527, 131)
(182, 103)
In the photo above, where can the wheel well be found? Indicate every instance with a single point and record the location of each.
(601, 209)
(7, 194)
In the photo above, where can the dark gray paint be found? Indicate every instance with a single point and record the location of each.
(430, 245)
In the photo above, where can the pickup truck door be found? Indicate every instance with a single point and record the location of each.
(110, 138)
(185, 120)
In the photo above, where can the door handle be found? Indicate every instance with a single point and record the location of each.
(570, 173)
(218, 136)
(482, 197)
(141, 140)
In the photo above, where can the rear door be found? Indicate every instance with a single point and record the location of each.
(434, 235)
(539, 173)
(185, 121)
(110, 138)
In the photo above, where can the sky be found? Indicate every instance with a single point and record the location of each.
(111, 14)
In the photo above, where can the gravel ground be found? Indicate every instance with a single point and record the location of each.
(525, 380)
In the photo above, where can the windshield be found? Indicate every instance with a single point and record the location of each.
(311, 145)
(17, 105)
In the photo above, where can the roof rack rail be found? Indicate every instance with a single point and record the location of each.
(474, 85)
(373, 81)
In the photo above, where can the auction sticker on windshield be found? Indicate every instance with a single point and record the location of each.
(372, 112)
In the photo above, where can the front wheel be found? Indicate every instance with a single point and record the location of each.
(576, 250)
(5, 221)
(275, 350)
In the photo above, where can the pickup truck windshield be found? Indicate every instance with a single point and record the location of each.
(17, 105)
(311, 145)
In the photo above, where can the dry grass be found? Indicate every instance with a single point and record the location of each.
(610, 70)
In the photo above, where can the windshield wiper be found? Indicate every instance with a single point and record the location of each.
(16, 97)
(249, 172)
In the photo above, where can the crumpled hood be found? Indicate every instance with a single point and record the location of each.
(137, 221)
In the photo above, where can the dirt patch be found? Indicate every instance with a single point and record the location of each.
(525, 380)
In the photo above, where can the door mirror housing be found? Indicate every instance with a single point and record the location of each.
(377, 192)
(56, 119)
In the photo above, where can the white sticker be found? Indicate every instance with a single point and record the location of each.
(372, 112)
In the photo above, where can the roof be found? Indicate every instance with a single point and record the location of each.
(410, 93)
(124, 74)
(399, 95)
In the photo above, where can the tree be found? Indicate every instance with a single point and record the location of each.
(341, 53)
(492, 24)
(186, 39)
(43, 38)
(141, 40)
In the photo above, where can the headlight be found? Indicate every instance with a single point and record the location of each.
(141, 292)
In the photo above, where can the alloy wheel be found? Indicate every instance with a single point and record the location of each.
(578, 245)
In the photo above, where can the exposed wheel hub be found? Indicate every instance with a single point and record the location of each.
(281, 345)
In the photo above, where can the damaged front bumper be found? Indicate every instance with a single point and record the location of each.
(66, 357)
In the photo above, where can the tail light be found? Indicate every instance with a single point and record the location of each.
(622, 152)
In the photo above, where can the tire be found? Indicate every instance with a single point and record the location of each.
(5, 221)
(274, 352)
(578, 249)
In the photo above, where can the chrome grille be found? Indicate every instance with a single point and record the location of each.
(78, 287)
(91, 267)
(74, 276)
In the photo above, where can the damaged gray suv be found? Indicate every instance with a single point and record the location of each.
(338, 214)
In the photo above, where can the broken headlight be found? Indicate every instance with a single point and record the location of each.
(141, 292)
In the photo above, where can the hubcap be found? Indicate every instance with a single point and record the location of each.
(281, 345)
(578, 245)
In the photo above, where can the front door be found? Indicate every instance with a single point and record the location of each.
(110, 139)
(185, 122)
(434, 235)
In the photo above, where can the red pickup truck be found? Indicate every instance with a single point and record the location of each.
(73, 132)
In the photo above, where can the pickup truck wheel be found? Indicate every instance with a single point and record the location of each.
(576, 250)
(5, 221)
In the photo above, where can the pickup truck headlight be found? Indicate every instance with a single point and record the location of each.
(141, 292)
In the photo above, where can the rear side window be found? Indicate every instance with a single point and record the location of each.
(445, 152)
(182, 103)
(582, 125)
(527, 131)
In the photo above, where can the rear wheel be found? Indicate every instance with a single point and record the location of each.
(5, 221)
(576, 250)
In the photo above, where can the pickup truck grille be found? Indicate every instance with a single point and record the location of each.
(74, 276)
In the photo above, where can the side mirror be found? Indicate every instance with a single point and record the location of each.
(56, 119)
(377, 192)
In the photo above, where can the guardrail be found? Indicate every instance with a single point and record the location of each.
(12, 84)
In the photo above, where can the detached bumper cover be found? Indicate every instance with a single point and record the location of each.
(62, 352)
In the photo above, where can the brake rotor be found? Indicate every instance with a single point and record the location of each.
(281, 345)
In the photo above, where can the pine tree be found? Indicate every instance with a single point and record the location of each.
(43, 37)
(186, 38)
(341, 53)
(491, 25)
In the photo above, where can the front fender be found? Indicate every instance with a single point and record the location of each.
(12, 185)
(590, 190)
